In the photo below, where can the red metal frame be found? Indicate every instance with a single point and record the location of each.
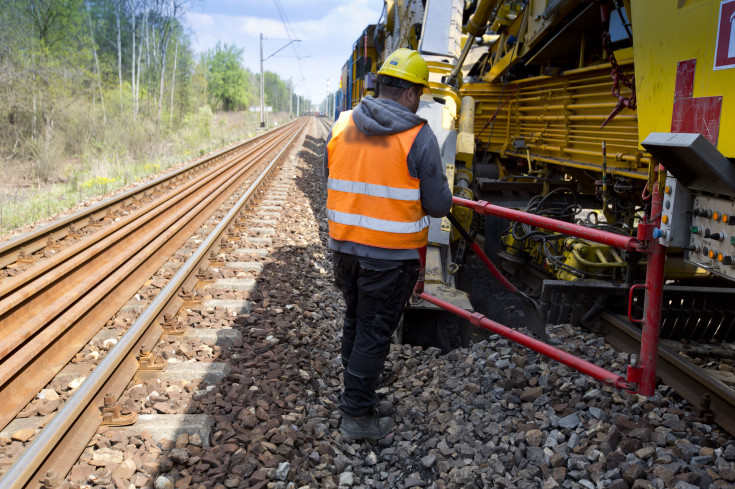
(481, 207)
(641, 378)
(577, 363)
(652, 308)
(630, 302)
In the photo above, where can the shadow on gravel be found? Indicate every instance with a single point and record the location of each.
(274, 414)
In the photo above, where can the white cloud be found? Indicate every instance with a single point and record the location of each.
(199, 21)
(326, 37)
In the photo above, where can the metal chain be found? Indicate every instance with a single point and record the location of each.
(618, 75)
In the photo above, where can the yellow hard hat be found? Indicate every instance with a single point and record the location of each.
(408, 65)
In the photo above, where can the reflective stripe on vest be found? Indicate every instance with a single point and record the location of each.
(373, 190)
(371, 197)
(378, 224)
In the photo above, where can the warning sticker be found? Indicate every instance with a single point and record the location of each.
(725, 47)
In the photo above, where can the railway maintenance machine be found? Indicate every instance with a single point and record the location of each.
(587, 142)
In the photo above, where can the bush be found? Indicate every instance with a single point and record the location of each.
(47, 154)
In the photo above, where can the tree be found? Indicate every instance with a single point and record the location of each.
(55, 21)
(79, 76)
(276, 92)
(227, 81)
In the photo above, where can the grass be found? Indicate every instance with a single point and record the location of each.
(101, 169)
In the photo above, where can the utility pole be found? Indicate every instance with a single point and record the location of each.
(326, 110)
(262, 85)
(262, 89)
(290, 95)
(298, 103)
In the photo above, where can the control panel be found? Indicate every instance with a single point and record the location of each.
(675, 215)
(712, 235)
(699, 198)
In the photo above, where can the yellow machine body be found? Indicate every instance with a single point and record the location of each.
(666, 33)
(544, 103)
(556, 120)
(361, 68)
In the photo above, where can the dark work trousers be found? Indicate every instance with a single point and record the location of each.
(375, 292)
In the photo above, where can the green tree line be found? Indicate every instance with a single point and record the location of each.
(81, 75)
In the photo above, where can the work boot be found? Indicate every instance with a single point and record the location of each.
(366, 427)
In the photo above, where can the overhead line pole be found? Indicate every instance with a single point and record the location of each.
(262, 87)
(262, 84)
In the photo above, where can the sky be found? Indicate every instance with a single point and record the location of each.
(327, 30)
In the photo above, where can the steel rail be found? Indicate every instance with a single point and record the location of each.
(11, 284)
(688, 380)
(80, 415)
(99, 288)
(327, 123)
(14, 300)
(36, 239)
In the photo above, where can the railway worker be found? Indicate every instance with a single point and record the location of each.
(384, 175)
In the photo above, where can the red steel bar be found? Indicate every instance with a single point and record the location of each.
(642, 377)
(482, 207)
(577, 363)
(653, 303)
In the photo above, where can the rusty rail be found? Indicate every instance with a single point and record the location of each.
(45, 236)
(50, 312)
(58, 446)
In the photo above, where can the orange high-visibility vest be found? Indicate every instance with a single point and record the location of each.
(371, 198)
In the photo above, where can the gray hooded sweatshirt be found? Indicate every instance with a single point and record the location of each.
(380, 117)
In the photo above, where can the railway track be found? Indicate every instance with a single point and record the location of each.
(54, 305)
(713, 399)
(19, 252)
(326, 123)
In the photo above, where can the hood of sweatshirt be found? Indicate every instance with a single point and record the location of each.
(381, 117)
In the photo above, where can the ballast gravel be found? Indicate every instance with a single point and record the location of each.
(493, 415)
